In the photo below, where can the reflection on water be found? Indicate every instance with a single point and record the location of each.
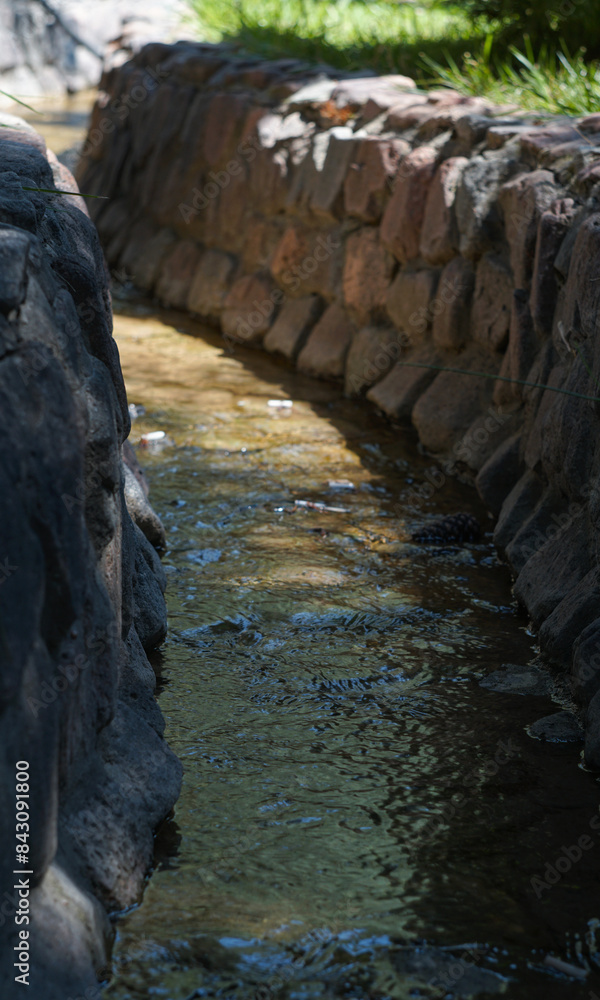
(350, 789)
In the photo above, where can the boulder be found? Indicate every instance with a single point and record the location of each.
(324, 354)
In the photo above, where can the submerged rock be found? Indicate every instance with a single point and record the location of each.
(453, 529)
(561, 727)
(515, 679)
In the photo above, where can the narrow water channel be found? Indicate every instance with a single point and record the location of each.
(359, 817)
(320, 682)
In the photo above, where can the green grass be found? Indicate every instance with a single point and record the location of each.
(434, 41)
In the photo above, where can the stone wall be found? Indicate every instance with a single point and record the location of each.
(361, 230)
(81, 594)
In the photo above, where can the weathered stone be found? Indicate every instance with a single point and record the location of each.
(539, 141)
(409, 302)
(439, 238)
(327, 200)
(539, 526)
(250, 307)
(522, 348)
(210, 284)
(517, 507)
(368, 182)
(554, 570)
(585, 672)
(324, 353)
(177, 273)
(498, 135)
(560, 727)
(476, 204)
(452, 307)
(513, 678)
(523, 199)
(372, 353)
(407, 111)
(140, 511)
(222, 124)
(451, 403)
(306, 177)
(482, 437)
(500, 473)
(552, 229)
(492, 302)
(385, 91)
(292, 326)
(403, 218)
(144, 254)
(308, 262)
(445, 118)
(262, 237)
(568, 620)
(592, 733)
(368, 271)
(400, 389)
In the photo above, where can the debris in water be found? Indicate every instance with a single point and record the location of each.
(456, 528)
(136, 410)
(312, 505)
(569, 970)
(341, 484)
(152, 436)
(280, 404)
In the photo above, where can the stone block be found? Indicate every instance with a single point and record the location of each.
(403, 217)
(222, 124)
(517, 508)
(554, 570)
(385, 91)
(324, 353)
(449, 406)
(368, 271)
(537, 143)
(400, 389)
(368, 182)
(409, 302)
(562, 627)
(522, 348)
(585, 671)
(372, 353)
(523, 199)
(327, 199)
(261, 239)
(177, 273)
(210, 284)
(292, 326)
(500, 473)
(307, 261)
(492, 302)
(452, 306)
(476, 204)
(440, 238)
(250, 308)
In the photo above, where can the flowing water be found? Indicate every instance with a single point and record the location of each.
(359, 817)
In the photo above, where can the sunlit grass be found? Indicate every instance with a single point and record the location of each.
(437, 43)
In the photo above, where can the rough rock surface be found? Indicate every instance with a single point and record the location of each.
(81, 590)
(431, 231)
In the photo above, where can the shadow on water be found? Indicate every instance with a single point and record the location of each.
(350, 790)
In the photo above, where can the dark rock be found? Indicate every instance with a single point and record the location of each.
(500, 473)
(561, 727)
(515, 679)
(454, 529)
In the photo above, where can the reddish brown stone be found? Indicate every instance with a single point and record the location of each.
(292, 326)
(523, 199)
(403, 217)
(222, 126)
(269, 179)
(444, 119)
(230, 211)
(372, 353)
(325, 351)
(539, 141)
(367, 274)
(449, 406)
(308, 262)
(492, 302)
(385, 91)
(408, 302)
(177, 272)
(368, 181)
(327, 200)
(406, 112)
(452, 305)
(261, 239)
(211, 282)
(400, 389)
(250, 308)
(439, 238)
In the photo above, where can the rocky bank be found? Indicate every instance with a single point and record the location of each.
(362, 230)
(81, 594)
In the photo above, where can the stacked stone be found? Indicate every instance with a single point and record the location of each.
(365, 230)
(82, 593)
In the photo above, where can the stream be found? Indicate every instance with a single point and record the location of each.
(359, 817)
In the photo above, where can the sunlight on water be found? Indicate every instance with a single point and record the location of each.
(349, 788)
